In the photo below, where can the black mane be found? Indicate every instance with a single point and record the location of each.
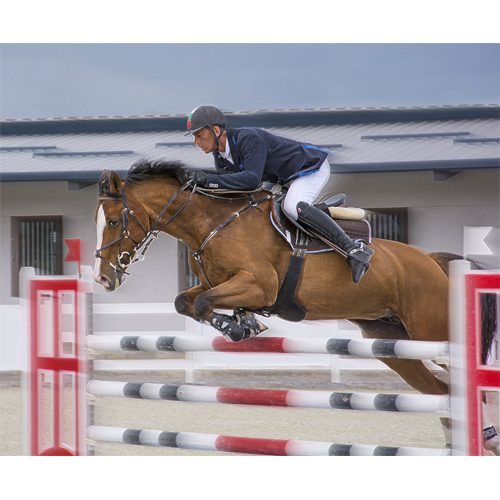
(159, 167)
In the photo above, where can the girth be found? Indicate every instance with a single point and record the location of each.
(286, 306)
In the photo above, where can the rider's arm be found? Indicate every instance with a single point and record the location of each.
(253, 152)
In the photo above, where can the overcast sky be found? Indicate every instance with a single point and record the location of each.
(59, 80)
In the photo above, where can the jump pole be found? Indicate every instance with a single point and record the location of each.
(363, 401)
(363, 348)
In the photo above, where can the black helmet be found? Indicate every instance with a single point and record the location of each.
(205, 116)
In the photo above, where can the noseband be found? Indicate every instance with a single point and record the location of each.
(126, 259)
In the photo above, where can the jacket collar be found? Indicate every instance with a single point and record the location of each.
(231, 142)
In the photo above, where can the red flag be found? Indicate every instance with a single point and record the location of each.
(74, 251)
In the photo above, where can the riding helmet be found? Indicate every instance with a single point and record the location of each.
(205, 116)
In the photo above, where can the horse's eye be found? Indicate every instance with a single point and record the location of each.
(113, 222)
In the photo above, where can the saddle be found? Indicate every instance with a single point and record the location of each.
(349, 219)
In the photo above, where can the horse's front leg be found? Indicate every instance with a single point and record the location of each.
(184, 301)
(242, 291)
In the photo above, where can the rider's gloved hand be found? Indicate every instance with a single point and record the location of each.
(198, 176)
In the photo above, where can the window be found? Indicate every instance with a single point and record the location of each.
(36, 242)
(186, 277)
(388, 223)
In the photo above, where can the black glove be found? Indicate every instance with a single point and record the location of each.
(197, 176)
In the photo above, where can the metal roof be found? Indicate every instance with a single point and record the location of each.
(359, 140)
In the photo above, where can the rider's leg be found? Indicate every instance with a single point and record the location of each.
(298, 205)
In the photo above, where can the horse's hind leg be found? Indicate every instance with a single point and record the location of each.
(412, 371)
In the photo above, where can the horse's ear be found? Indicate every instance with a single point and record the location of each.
(103, 184)
(109, 182)
(115, 183)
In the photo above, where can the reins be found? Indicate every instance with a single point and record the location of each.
(140, 249)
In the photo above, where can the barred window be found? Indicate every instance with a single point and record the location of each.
(388, 223)
(37, 243)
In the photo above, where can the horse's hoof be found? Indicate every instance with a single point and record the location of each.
(231, 330)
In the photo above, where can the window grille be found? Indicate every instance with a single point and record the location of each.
(388, 224)
(37, 243)
(186, 277)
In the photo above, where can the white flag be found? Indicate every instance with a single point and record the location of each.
(474, 241)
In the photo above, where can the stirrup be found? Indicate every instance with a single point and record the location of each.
(358, 260)
(363, 249)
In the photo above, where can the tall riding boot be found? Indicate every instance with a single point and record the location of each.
(358, 254)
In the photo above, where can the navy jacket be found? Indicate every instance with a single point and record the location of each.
(260, 156)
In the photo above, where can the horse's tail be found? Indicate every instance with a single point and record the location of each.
(489, 326)
(443, 259)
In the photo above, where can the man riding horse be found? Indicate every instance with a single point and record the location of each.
(252, 155)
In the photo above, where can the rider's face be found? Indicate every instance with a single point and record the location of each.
(205, 140)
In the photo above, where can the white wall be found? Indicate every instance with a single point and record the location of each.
(437, 211)
(12, 340)
(153, 280)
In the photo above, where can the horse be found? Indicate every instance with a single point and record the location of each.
(242, 261)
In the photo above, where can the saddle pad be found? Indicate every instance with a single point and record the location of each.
(356, 229)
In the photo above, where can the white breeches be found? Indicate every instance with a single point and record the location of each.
(306, 188)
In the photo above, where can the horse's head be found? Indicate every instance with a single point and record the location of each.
(122, 224)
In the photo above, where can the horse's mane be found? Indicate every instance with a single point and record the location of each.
(160, 167)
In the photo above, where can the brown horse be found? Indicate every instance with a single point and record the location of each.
(404, 295)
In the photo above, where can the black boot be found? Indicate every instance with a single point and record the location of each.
(357, 253)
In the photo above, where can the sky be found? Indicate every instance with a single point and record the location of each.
(50, 80)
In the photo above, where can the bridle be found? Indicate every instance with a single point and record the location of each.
(140, 249)
(126, 259)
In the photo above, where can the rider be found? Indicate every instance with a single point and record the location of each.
(253, 155)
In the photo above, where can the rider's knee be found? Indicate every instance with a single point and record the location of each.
(290, 208)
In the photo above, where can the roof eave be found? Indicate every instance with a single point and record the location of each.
(414, 165)
(260, 118)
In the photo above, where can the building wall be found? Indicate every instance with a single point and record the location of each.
(152, 280)
(437, 211)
